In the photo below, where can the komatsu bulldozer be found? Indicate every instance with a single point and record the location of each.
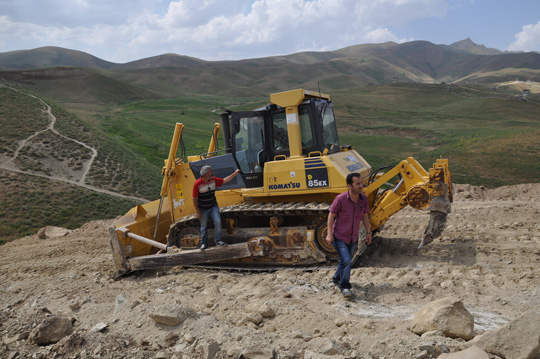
(274, 213)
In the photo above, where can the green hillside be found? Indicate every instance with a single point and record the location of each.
(77, 87)
(31, 201)
(491, 137)
(386, 123)
(50, 56)
(490, 133)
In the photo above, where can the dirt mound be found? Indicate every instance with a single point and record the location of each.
(488, 257)
(527, 191)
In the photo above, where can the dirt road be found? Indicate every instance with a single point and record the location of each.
(9, 163)
(488, 257)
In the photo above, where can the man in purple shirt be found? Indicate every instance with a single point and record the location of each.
(346, 212)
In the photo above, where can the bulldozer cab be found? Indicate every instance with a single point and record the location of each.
(266, 134)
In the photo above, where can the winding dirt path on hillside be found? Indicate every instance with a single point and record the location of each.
(10, 165)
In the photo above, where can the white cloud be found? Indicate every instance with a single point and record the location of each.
(57, 13)
(286, 26)
(124, 30)
(191, 13)
(379, 35)
(528, 39)
(399, 12)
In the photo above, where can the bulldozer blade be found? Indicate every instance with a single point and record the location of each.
(436, 225)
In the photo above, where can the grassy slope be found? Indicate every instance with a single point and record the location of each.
(146, 127)
(77, 88)
(29, 202)
(489, 136)
(50, 56)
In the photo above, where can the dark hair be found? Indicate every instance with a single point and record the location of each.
(350, 177)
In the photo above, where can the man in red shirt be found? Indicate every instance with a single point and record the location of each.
(205, 202)
(346, 212)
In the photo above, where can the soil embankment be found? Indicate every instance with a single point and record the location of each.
(488, 257)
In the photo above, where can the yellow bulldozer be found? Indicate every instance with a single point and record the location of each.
(274, 213)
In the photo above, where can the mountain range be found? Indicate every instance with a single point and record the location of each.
(479, 118)
(415, 61)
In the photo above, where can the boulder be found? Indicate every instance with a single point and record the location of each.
(172, 314)
(99, 327)
(210, 350)
(262, 308)
(300, 335)
(259, 353)
(188, 338)
(51, 330)
(447, 315)
(518, 339)
(52, 232)
(255, 318)
(324, 346)
(472, 353)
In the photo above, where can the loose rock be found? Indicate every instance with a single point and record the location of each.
(447, 315)
(473, 352)
(324, 346)
(99, 327)
(52, 232)
(51, 330)
(172, 314)
(519, 338)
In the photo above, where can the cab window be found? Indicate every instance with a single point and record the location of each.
(306, 132)
(249, 144)
(280, 135)
(328, 127)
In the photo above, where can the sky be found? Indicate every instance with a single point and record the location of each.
(127, 30)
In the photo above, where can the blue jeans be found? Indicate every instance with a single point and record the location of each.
(343, 272)
(216, 217)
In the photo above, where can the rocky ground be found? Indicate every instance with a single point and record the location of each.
(488, 258)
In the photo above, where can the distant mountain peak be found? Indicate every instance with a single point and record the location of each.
(471, 47)
(467, 41)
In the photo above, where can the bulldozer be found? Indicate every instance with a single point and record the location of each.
(274, 212)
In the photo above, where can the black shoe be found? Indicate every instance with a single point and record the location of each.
(221, 244)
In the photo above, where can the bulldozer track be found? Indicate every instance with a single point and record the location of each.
(314, 214)
(304, 209)
(264, 210)
(310, 214)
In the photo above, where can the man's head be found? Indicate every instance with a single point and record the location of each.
(351, 177)
(206, 171)
(354, 183)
